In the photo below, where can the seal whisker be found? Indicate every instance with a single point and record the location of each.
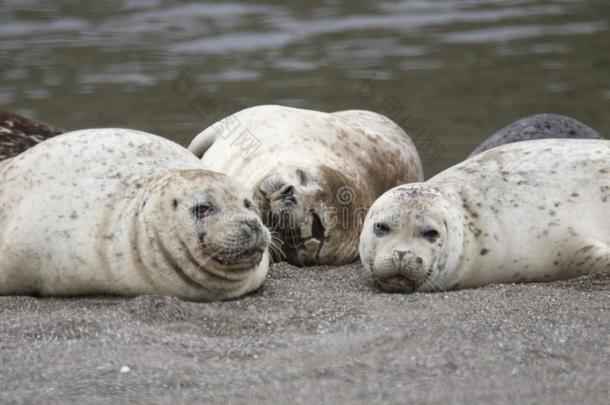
(276, 246)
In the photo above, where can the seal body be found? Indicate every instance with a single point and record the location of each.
(18, 133)
(116, 211)
(312, 174)
(539, 126)
(527, 211)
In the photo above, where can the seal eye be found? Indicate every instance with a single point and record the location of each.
(430, 235)
(302, 177)
(381, 229)
(201, 211)
(247, 204)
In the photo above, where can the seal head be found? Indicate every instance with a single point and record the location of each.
(312, 211)
(208, 230)
(411, 238)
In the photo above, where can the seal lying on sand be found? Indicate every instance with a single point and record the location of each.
(117, 211)
(312, 174)
(539, 126)
(528, 211)
(18, 133)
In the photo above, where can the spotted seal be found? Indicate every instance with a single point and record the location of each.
(312, 174)
(117, 211)
(19, 133)
(527, 211)
(538, 126)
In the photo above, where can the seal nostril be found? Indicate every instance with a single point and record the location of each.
(287, 194)
(400, 253)
(253, 225)
(287, 190)
(419, 260)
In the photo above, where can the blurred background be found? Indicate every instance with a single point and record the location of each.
(452, 72)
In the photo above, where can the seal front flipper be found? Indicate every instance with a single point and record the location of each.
(588, 255)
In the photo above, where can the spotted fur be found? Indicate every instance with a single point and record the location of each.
(337, 164)
(522, 212)
(117, 211)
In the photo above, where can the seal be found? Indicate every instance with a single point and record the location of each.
(312, 174)
(539, 126)
(527, 211)
(117, 211)
(19, 133)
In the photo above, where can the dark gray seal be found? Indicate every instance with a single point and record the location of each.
(538, 126)
(19, 133)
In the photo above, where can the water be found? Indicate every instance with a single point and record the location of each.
(452, 72)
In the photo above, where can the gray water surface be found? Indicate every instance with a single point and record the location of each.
(451, 72)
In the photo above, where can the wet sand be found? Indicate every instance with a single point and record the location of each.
(316, 335)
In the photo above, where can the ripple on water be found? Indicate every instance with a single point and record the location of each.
(519, 32)
(307, 54)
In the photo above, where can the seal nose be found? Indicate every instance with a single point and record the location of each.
(287, 194)
(400, 254)
(253, 225)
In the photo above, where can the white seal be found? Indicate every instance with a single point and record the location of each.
(116, 211)
(312, 174)
(527, 211)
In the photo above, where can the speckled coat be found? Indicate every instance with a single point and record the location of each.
(110, 211)
(356, 155)
(528, 211)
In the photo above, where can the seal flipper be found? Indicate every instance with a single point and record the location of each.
(589, 256)
(206, 138)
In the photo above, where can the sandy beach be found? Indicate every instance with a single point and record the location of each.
(314, 335)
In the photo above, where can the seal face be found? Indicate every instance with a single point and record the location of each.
(538, 126)
(125, 213)
(18, 133)
(313, 175)
(207, 228)
(410, 235)
(314, 212)
(529, 211)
